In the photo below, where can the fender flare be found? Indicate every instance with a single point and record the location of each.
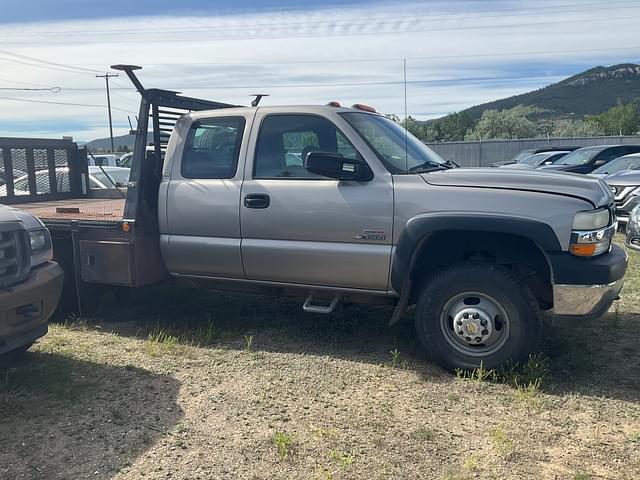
(421, 227)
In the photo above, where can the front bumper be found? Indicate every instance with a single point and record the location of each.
(585, 301)
(26, 307)
(586, 287)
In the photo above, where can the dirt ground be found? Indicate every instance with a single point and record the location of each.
(186, 384)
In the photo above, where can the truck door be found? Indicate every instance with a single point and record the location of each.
(302, 228)
(203, 197)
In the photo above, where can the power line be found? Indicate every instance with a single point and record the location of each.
(47, 67)
(29, 100)
(47, 62)
(50, 89)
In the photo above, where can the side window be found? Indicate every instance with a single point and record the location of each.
(285, 141)
(611, 153)
(213, 148)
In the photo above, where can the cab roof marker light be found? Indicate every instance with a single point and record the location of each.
(334, 103)
(364, 108)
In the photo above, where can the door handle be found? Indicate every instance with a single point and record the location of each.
(257, 200)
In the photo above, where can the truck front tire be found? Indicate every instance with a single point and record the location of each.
(476, 314)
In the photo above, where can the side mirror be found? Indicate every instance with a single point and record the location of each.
(599, 163)
(548, 162)
(334, 165)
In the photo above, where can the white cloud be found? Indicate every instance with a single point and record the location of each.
(466, 52)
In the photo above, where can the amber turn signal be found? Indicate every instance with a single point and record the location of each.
(583, 249)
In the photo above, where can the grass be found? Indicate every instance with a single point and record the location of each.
(582, 476)
(502, 444)
(164, 387)
(284, 444)
(248, 343)
(423, 434)
(343, 459)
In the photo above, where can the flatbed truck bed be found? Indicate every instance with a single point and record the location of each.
(84, 210)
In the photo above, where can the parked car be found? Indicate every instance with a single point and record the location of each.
(3, 177)
(544, 158)
(102, 160)
(626, 162)
(532, 151)
(625, 186)
(587, 159)
(633, 229)
(30, 282)
(99, 178)
(366, 213)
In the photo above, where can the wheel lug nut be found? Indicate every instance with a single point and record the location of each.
(478, 339)
(468, 339)
(485, 332)
(476, 315)
(483, 322)
(459, 322)
(465, 315)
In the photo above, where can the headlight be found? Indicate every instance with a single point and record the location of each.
(591, 220)
(40, 241)
(592, 233)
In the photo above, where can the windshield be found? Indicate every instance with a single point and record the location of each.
(619, 164)
(522, 155)
(117, 177)
(395, 147)
(578, 157)
(536, 159)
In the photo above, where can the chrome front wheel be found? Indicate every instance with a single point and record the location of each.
(475, 324)
(476, 314)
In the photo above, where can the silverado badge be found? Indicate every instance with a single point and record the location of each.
(372, 235)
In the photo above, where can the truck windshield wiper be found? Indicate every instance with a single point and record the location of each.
(431, 166)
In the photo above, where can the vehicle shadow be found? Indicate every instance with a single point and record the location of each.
(599, 358)
(62, 418)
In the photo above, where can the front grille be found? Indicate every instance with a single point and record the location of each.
(621, 193)
(13, 258)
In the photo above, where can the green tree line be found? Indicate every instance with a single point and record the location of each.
(524, 122)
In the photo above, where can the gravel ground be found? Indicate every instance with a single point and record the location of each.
(185, 384)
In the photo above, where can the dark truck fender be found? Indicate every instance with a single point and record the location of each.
(420, 228)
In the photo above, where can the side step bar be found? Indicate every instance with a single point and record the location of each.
(320, 305)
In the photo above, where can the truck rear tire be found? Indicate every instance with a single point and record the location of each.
(476, 314)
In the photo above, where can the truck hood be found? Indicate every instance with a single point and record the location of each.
(7, 214)
(626, 178)
(586, 188)
(18, 217)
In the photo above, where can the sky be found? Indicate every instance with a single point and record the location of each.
(457, 53)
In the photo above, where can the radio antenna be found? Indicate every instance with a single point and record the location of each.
(256, 101)
(406, 117)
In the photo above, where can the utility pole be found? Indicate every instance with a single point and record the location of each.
(106, 77)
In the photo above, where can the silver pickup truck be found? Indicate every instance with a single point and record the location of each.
(343, 205)
(343, 202)
(30, 283)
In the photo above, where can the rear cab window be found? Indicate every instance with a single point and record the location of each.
(212, 148)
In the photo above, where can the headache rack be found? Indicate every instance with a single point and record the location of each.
(162, 108)
(103, 236)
